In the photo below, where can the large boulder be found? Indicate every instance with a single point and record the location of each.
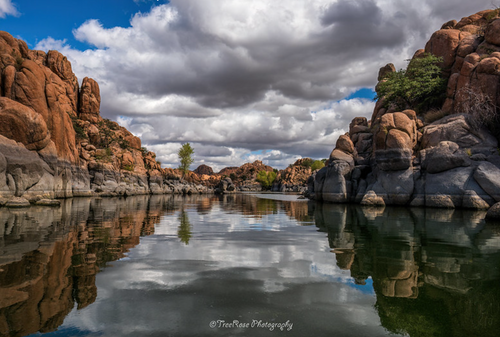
(395, 187)
(20, 169)
(488, 177)
(492, 32)
(444, 43)
(445, 156)
(30, 80)
(225, 186)
(394, 140)
(448, 189)
(494, 212)
(336, 183)
(22, 124)
(457, 129)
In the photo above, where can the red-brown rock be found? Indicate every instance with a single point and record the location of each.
(444, 43)
(90, 101)
(204, 169)
(345, 144)
(22, 124)
(492, 33)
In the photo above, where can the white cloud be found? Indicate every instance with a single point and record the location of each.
(7, 8)
(250, 76)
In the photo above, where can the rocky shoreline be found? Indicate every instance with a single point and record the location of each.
(54, 144)
(400, 158)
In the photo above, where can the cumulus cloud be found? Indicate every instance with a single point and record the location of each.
(7, 8)
(250, 76)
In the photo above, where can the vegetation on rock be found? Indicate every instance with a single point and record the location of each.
(266, 179)
(420, 86)
(317, 164)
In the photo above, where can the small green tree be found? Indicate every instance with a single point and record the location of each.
(421, 86)
(266, 179)
(185, 156)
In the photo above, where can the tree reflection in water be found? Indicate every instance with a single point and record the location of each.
(434, 272)
(184, 230)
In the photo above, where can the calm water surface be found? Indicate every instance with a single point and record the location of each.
(246, 265)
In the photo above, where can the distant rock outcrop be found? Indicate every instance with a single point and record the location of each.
(204, 169)
(402, 158)
(244, 177)
(294, 178)
(55, 144)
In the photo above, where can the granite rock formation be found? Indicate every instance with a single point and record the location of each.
(294, 178)
(204, 169)
(408, 158)
(244, 177)
(54, 142)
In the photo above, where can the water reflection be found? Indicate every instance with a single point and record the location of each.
(165, 265)
(49, 257)
(435, 272)
(184, 231)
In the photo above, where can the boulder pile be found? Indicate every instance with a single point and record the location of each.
(401, 158)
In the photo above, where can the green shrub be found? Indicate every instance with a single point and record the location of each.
(266, 179)
(421, 86)
(318, 164)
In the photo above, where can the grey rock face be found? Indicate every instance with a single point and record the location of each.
(445, 156)
(393, 159)
(488, 177)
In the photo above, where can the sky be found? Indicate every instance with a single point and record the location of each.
(239, 80)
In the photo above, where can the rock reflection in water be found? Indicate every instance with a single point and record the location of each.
(435, 272)
(49, 257)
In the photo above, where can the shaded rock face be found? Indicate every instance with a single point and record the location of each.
(225, 186)
(55, 144)
(90, 101)
(398, 159)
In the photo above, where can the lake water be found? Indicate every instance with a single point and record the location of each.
(246, 265)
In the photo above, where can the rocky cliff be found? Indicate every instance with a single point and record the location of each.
(55, 144)
(447, 157)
